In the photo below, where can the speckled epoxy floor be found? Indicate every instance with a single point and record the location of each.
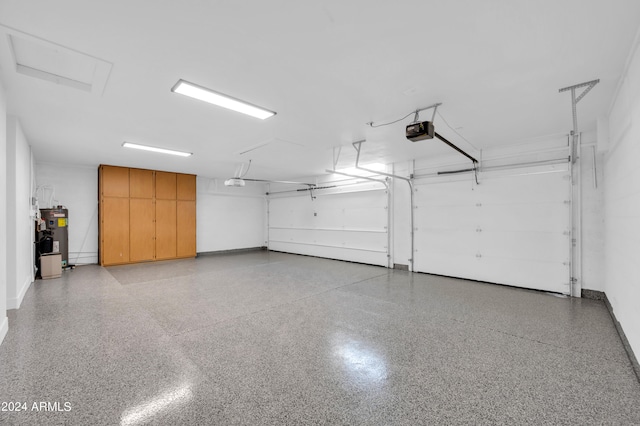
(272, 338)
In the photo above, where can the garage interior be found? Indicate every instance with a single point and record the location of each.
(408, 213)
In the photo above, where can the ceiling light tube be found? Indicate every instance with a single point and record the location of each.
(154, 149)
(207, 95)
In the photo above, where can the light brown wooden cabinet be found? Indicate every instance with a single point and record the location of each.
(186, 187)
(165, 186)
(145, 215)
(114, 230)
(114, 181)
(140, 183)
(186, 230)
(166, 233)
(142, 229)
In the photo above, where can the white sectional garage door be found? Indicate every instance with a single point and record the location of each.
(511, 229)
(349, 225)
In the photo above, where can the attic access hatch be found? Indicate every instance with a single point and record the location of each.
(48, 61)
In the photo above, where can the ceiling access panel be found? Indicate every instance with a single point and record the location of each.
(48, 61)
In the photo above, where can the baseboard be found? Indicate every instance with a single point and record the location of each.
(230, 251)
(623, 337)
(15, 302)
(593, 294)
(4, 328)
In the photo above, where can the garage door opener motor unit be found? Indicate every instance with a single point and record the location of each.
(420, 131)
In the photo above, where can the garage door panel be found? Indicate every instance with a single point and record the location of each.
(372, 258)
(447, 192)
(360, 218)
(449, 241)
(437, 216)
(350, 239)
(366, 218)
(442, 263)
(291, 215)
(347, 226)
(525, 245)
(351, 200)
(526, 188)
(528, 217)
(539, 275)
(510, 229)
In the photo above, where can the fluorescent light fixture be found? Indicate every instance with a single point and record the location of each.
(154, 149)
(207, 95)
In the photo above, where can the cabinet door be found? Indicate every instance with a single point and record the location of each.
(142, 229)
(115, 231)
(166, 231)
(166, 185)
(186, 185)
(186, 221)
(140, 183)
(114, 181)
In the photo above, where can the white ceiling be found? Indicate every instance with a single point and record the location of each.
(326, 68)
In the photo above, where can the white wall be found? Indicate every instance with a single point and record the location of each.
(592, 195)
(622, 204)
(4, 323)
(20, 234)
(76, 188)
(229, 218)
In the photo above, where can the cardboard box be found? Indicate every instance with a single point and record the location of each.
(51, 266)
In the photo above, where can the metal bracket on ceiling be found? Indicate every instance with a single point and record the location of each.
(416, 116)
(574, 102)
(382, 182)
(589, 85)
(336, 157)
(435, 108)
